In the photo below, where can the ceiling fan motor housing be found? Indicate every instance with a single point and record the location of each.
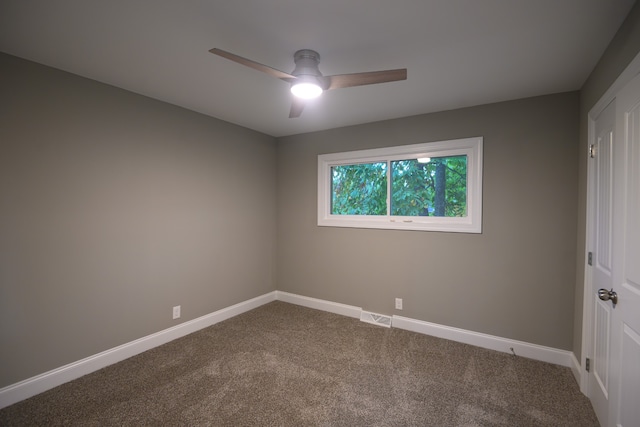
(307, 61)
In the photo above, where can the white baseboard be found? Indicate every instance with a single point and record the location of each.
(524, 349)
(320, 304)
(521, 348)
(48, 380)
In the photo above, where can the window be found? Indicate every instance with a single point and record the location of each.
(434, 186)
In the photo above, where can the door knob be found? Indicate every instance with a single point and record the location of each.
(606, 295)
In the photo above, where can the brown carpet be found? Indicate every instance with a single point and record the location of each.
(285, 365)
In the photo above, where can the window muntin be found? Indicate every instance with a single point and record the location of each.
(442, 193)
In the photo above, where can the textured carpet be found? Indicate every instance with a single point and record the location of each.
(285, 365)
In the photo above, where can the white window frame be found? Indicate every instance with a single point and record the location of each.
(472, 223)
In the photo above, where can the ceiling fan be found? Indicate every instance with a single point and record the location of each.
(308, 82)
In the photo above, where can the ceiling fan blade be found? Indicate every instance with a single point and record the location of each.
(297, 105)
(252, 64)
(359, 79)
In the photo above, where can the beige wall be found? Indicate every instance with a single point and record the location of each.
(515, 280)
(114, 208)
(622, 49)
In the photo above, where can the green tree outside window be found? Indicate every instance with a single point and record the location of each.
(437, 187)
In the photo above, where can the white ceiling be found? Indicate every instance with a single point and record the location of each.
(458, 52)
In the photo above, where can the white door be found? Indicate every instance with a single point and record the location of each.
(614, 378)
(624, 381)
(601, 258)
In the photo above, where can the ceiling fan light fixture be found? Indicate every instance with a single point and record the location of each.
(307, 81)
(306, 89)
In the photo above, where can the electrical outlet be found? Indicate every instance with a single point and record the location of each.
(398, 303)
(176, 312)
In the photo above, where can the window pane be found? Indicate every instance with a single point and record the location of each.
(429, 187)
(359, 189)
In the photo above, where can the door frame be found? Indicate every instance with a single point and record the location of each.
(623, 79)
